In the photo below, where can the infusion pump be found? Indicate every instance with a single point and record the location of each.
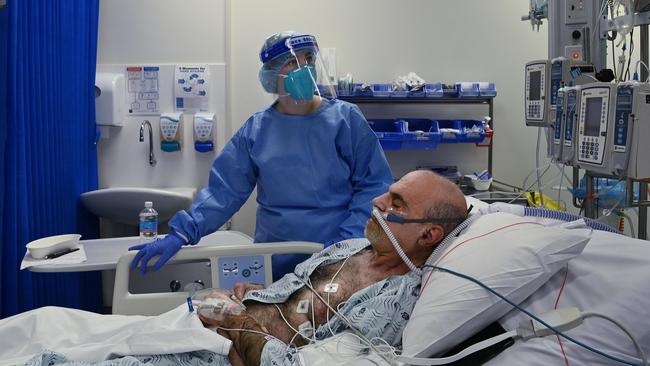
(562, 133)
(544, 79)
(613, 122)
(537, 93)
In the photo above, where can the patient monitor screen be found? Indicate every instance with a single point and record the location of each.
(592, 116)
(535, 81)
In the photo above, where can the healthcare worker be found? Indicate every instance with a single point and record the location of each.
(316, 163)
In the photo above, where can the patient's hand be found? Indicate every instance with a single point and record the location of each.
(240, 289)
(216, 306)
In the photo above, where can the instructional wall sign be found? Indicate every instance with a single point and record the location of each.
(191, 88)
(143, 96)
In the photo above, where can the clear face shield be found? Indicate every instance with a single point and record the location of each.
(293, 68)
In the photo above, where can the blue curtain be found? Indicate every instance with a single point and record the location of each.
(47, 143)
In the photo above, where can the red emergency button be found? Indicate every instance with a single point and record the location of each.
(575, 55)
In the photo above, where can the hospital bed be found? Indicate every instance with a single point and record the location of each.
(609, 276)
(216, 257)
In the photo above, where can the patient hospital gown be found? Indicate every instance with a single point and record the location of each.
(380, 310)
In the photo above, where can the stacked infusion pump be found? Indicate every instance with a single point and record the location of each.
(544, 78)
(611, 128)
(599, 127)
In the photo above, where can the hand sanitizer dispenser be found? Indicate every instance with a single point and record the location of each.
(170, 131)
(203, 127)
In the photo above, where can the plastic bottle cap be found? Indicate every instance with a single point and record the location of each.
(148, 204)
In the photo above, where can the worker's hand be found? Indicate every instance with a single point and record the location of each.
(240, 289)
(165, 248)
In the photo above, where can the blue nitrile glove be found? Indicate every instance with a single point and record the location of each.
(165, 248)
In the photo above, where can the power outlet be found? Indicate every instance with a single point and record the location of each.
(575, 12)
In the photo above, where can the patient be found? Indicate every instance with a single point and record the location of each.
(365, 280)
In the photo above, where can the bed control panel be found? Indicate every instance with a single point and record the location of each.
(248, 269)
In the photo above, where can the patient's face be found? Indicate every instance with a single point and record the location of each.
(406, 198)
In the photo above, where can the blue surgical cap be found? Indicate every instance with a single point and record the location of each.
(272, 64)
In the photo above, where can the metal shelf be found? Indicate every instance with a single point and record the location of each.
(445, 100)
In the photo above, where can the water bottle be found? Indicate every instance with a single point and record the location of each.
(148, 223)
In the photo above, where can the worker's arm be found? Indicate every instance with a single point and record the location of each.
(232, 179)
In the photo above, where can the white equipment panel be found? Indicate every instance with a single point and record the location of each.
(537, 93)
(593, 123)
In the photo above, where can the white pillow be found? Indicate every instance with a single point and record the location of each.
(610, 277)
(511, 254)
(475, 203)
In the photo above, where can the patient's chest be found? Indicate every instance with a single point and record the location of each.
(334, 283)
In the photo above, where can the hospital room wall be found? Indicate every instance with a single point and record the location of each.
(164, 33)
(378, 40)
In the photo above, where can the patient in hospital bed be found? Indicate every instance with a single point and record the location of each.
(367, 281)
(373, 285)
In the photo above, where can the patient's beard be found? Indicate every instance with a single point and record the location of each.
(373, 232)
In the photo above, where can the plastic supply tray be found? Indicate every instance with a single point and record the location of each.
(433, 90)
(461, 131)
(360, 92)
(467, 89)
(389, 132)
(421, 134)
(380, 90)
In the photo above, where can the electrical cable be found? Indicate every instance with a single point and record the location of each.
(467, 351)
(526, 189)
(289, 325)
(559, 188)
(532, 316)
(344, 319)
(539, 178)
(328, 295)
(639, 350)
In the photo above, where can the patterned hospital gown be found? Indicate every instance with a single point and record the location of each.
(380, 310)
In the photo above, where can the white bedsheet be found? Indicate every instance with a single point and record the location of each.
(85, 336)
(609, 277)
(341, 349)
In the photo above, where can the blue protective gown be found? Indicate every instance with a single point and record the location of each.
(316, 176)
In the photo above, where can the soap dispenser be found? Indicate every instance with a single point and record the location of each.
(203, 127)
(170, 131)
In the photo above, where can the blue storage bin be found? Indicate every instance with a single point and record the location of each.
(421, 134)
(360, 91)
(416, 93)
(389, 132)
(449, 90)
(398, 93)
(487, 89)
(452, 131)
(433, 90)
(467, 89)
(345, 91)
(380, 90)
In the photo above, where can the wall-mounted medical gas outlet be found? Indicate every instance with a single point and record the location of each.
(170, 132)
(203, 127)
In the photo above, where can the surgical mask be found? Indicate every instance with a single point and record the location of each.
(300, 83)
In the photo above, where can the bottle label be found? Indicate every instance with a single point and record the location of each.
(148, 228)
